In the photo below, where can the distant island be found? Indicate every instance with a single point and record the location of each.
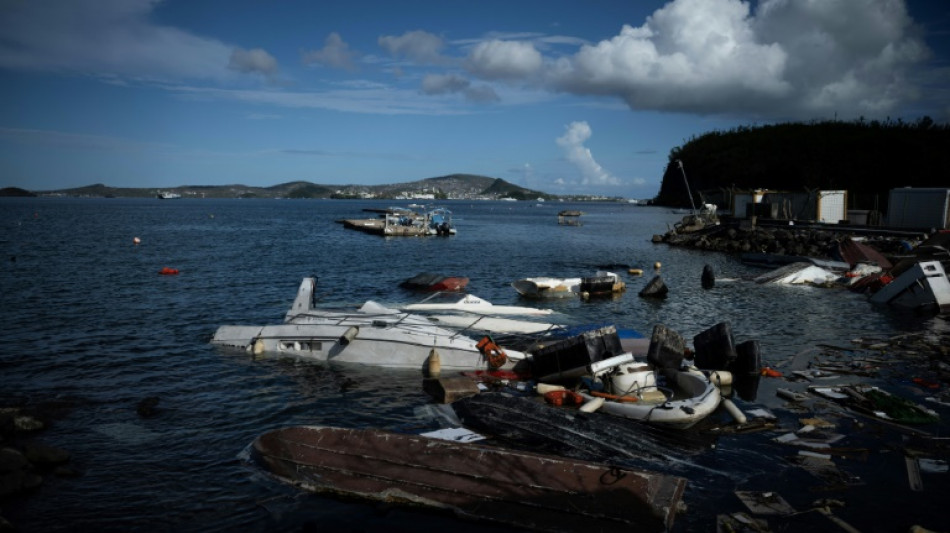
(451, 187)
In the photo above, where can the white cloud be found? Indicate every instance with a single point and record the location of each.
(419, 46)
(504, 60)
(335, 53)
(572, 143)
(788, 59)
(256, 60)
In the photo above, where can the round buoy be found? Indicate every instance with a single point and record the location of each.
(657, 265)
(136, 240)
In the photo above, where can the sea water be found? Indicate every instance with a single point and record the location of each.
(90, 329)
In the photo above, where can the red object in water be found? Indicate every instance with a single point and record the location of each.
(165, 271)
(451, 283)
(563, 397)
(770, 373)
(926, 383)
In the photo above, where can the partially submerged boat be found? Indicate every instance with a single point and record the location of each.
(430, 282)
(922, 286)
(660, 390)
(473, 481)
(550, 287)
(373, 334)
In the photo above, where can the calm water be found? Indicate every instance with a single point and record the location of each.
(90, 327)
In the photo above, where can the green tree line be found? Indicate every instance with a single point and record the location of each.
(866, 158)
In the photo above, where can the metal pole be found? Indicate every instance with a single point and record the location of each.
(680, 163)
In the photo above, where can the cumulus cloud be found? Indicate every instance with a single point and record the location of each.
(504, 60)
(572, 143)
(335, 53)
(256, 60)
(786, 59)
(107, 37)
(419, 46)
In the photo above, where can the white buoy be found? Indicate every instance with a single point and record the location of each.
(435, 364)
(734, 411)
(258, 347)
(136, 240)
(349, 335)
(591, 405)
(544, 388)
(721, 378)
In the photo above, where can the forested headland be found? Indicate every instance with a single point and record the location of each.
(866, 158)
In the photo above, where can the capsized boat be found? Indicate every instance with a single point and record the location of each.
(602, 282)
(373, 334)
(474, 481)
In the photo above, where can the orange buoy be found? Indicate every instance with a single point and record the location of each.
(770, 373)
(562, 397)
(165, 271)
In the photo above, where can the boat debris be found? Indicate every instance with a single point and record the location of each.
(471, 480)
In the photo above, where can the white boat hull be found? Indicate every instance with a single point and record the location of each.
(372, 335)
(547, 287)
(701, 398)
(380, 348)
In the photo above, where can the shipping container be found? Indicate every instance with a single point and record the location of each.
(919, 208)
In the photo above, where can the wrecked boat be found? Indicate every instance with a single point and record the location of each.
(922, 286)
(602, 282)
(660, 390)
(430, 282)
(473, 481)
(373, 334)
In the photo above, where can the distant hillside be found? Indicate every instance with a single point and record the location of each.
(867, 159)
(453, 186)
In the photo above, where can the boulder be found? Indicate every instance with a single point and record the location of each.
(655, 288)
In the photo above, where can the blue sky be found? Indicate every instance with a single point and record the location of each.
(559, 96)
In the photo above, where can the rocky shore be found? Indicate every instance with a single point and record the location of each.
(736, 237)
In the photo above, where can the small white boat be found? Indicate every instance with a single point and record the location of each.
(637, 390)
(373, 334)
(166, 195)
(660, 390)
(549, 287)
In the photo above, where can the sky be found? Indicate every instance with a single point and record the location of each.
(560, 96)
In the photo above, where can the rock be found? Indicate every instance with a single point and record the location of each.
(16, 473)
(655, 288)
(43, 455)
(27, 423)
(11, 460)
